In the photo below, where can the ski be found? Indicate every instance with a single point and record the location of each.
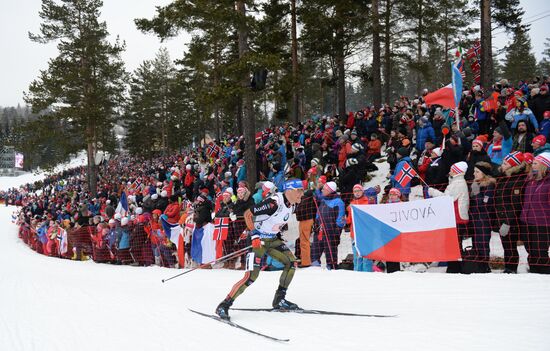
(303, 311)
(238, 326)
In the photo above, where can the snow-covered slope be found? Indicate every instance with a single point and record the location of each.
(53, 304)
(14, 182)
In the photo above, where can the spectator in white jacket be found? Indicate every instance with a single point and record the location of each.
(458, 190)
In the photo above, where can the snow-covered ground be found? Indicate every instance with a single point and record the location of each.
(14, 182)
(53, 304)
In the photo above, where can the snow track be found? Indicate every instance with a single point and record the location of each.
(53, 304)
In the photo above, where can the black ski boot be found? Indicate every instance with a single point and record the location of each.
(223, 309)
(280, 303)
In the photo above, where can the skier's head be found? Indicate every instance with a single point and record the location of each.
(294, 190)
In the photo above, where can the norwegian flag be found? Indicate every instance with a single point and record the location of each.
(405, 175)
(212, 150)
(135, 185)
(474, 51)
(221, 228)
(62, 242)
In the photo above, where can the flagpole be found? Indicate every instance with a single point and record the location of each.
(457, 114)
(418, 175)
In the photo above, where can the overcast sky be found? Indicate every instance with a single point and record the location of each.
(21, 60)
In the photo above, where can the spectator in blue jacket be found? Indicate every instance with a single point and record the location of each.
(331, 220)
(403, 158)
(425, 131)
(522, 113)
(501, 145)
(241, 171)
(479, 113)
(545, 125)
(94, 207)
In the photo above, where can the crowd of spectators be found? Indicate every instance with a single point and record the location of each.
(492, 160)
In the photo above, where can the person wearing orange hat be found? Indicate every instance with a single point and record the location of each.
(508, 204)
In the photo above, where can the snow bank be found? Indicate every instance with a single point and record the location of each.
(15, 182)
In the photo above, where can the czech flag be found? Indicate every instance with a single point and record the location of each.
(417, 231)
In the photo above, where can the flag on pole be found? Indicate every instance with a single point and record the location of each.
(443, 97)
(405, 175)
(62, 242)
(174, 232)
(221, 228)
(212, 150)
(417, 231)
(122, 206)
(457, 85)
(459, 62)
(203, 247)
(474, 56)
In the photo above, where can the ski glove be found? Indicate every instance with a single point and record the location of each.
(244, 235)
(256, 242)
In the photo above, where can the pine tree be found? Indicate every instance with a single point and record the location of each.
(333, 31)
(520, 62)
(452, 29)
(544, 64)
(418, 17)
(140, 121)
(84, 84)
(506, 14)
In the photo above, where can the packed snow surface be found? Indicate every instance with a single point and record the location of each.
(54, 304)
(50, 304)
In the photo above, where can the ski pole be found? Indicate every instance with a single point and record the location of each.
(221, 259)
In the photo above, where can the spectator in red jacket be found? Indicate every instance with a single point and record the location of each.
(173, 209)
(374, 147)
